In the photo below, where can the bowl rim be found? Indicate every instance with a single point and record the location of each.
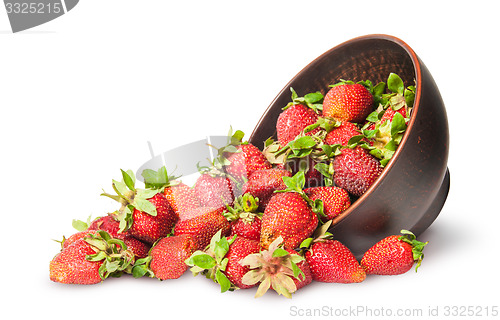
(418, 86)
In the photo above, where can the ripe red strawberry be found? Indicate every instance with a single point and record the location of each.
(355, 170)
(244, 217)
(335, 200)
(145, 213)
(166, 258)
(149, 228)
(244, 161)
(75, 237)
(262, 184)
(287, 215)
(107, 223)
(293, 120)
(139, 248)
(394, 255)
(331, 261)
(348, 102)
(213, 191)
(342, 134)
(90, 260)
(282, 270)
(202, 223)
(180, 196)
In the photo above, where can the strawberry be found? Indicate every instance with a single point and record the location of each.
(342, 134)
(347, 101)
(335, 200)
(90, 260)
(166, 258)
(394, 255)
(292, 122)
(107, 223)
(355, 170)
(289, 215)
(331, 261)
(112, 227)
(244, 161)
(202, 223)
(282, 270)
(213, 191)
(262, 184)
(180, 196)
(145, 213)
(244, 217)
(220, 261)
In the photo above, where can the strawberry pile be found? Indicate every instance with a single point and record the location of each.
(258, 218)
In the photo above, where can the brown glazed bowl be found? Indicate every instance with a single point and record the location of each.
(414, 185)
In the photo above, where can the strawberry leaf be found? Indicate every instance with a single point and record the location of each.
(395, 84)
(203, 261)
(223, 281)
(145, 206)
(129, 179)
(280, 252)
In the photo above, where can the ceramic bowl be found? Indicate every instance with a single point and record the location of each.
(414, 185)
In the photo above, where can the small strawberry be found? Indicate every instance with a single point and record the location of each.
(91, 259)
(202, 223)
(330, 260)
(282, 270)
(342, 134)
(355, 170)
(262, 184)
(244, 217)
(166, 258)
(107, 223)
(394, 255)
(335, 200)
(348, 101)
(145, 213)
(180, 196)
(288, 215)
(220, 261)
(292, 122)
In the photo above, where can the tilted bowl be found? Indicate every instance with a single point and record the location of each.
(413, 187)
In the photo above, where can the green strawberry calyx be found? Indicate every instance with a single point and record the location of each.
(117, 258)
(417, 246)
(296, 184)
(213, 262)
(159, 179)
(131, 198)
(313, 100)
(274, 268)
(244, 207)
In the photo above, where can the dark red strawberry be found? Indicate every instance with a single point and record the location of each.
(282, 270)
(355, 170)
(335, 200)
(348, 102)
(202, 223)
(394, 255)
(166, 260)
(262, 184)
(213, 191)
(292, 122)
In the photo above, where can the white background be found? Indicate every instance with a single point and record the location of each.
(81, 96)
